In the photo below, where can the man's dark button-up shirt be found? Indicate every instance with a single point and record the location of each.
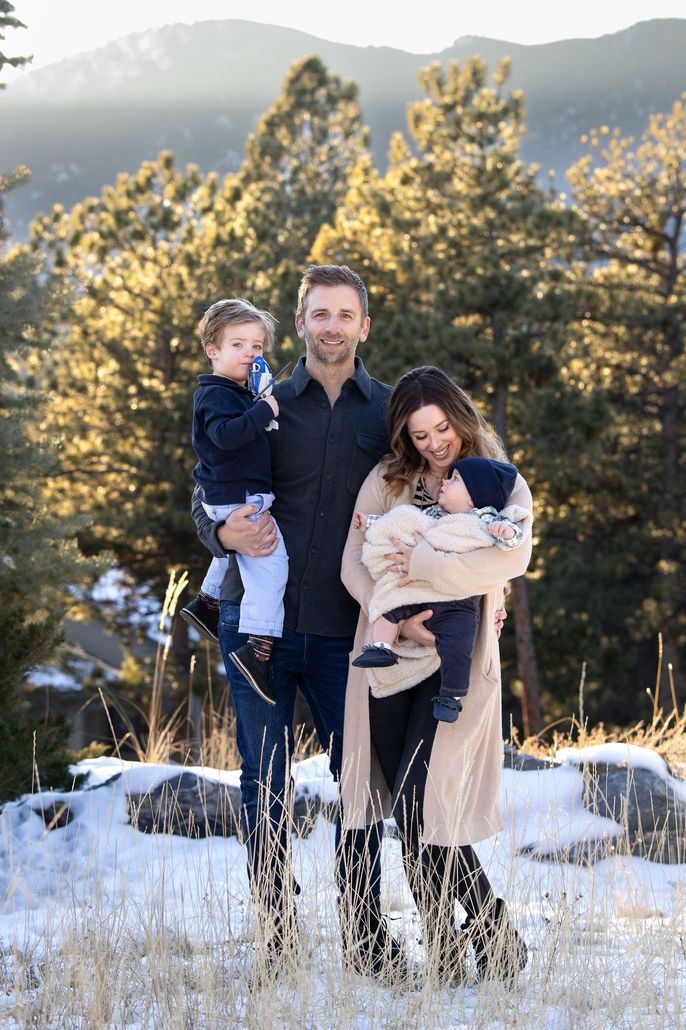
(320, 458)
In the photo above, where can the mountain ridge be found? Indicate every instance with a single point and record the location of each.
(200, 89)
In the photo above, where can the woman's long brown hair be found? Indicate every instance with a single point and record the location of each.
(416, 389)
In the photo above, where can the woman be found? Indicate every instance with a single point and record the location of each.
(440, 780)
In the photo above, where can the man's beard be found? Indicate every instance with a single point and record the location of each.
(337, 356)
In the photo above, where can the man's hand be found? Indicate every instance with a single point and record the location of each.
(239, 533)
(500, 613)
(414, 628)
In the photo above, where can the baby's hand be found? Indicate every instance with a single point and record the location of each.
(360, 520)
(501, 530)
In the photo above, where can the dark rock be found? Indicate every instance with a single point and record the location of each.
(638, 799)
(192, 806)
(580, 853)
(306, 808)
(526, 763)
(187, 805)
(651, 816)
(56, 815)
(105, 783)
(667, 848)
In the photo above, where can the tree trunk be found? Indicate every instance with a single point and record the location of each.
(671, 578)
(526, 658)
(527, 666)
(180, 646)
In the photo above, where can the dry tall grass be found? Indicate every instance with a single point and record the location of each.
(182, 947)
(665, 733)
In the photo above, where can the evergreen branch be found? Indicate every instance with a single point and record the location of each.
(82, 471)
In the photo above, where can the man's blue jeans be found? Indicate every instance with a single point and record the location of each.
(318, 666)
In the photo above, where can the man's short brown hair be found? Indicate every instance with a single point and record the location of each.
(234, 311)
(331, 275)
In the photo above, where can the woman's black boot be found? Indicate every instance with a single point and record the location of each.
(446, 949)
(432, 881)
(500, 952)
(368, 945)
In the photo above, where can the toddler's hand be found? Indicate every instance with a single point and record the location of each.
(360, 520)
(260, 377)
(273, 404)
(501, 530)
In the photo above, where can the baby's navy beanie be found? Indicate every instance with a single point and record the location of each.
(488, 481)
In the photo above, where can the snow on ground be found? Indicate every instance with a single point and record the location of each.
(630, 755)
(136, 603)
(56, 679)
(98, 867)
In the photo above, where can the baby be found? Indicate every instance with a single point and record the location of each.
(471, 500)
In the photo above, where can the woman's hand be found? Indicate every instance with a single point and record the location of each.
(500, 613)
(399, 560)
(415, 629)
(399, 563)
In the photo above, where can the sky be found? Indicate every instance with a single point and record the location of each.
(56, 30)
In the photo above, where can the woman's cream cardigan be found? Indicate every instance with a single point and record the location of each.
(461, 802)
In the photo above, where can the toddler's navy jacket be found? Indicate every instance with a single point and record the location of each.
(230, 441)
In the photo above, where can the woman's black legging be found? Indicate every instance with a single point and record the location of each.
(403, 728)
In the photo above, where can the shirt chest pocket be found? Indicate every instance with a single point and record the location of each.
(366, 452)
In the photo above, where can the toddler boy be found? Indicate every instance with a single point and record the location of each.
(234, 468)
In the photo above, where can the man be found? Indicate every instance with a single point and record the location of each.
(331, 433)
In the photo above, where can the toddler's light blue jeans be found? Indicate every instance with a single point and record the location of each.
(264, 579)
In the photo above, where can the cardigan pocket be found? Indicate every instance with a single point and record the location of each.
(492, 667)
(366, 452)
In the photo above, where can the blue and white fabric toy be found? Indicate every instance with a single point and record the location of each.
(261, 383)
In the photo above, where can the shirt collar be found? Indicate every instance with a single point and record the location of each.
(301, 377)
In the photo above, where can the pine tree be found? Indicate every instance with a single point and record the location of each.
(632, 200)
(38, 553)
(8, 21)
(465, 250)
(127, 360)
(136, 275)
(144, 260)
(293, 176)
